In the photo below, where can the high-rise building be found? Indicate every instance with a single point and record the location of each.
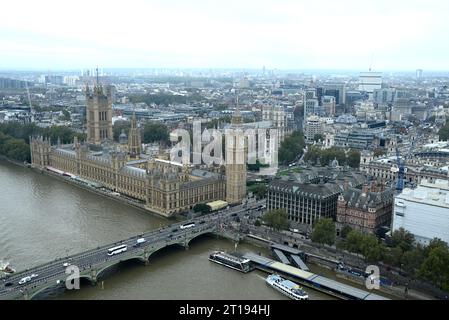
(419, 73)
(329, 105)
(337, 90)
(99, 114)
(236, 161)
(370, 81)
(310, 102)
(313, 126)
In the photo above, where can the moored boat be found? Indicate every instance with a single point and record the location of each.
(287, 287)
(231, 261)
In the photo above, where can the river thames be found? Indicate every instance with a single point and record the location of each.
(42, 218)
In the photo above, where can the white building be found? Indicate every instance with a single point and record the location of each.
(370, 81)
(313, 126)
(424, 211)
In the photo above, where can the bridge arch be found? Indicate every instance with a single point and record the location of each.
(202, 233)
(53, 284)
(112, 264)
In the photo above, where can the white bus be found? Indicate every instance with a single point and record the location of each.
(117, 250)
(187, 225)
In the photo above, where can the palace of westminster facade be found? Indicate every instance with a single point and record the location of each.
(163, 186)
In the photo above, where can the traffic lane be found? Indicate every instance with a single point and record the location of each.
(102, 257)
(153, 235)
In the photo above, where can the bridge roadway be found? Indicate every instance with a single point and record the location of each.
(93, 262)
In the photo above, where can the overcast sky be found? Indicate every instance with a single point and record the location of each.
(282, 34)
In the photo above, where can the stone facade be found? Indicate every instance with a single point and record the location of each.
(236, 147)
(164, 187)
(99, 114)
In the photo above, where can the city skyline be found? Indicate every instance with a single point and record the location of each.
(350, 35)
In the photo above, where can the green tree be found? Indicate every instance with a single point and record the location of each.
(276, 219)
(393, 256)
(318, 137)
(354, 241)
(260, 191)
(412, 260)
(403, 239)
(353, 158)
(201, 207)
(370, 248)
(444, 132)
(345, 231)
(291, 148)
(435, 267)
(119, 126)
(155, 132)
(324, 232)
(65, 116)
(257, 223)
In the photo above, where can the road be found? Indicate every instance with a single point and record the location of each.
(54, 270)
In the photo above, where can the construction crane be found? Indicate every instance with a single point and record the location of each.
(401, 172)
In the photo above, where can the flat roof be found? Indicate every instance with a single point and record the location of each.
(292, 270)
(341, 287)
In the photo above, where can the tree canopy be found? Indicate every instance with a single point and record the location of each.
(277, 219)
(291, 148)
(324, 232)
(155, 132)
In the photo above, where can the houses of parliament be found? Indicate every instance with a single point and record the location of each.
(162, 186)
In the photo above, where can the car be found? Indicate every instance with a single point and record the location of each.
(175, 230)
(234, 215)
(8, 284)
(24, 280)
(66, 264)
(202, 221)
(34, 275)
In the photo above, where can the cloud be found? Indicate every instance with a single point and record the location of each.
(278, 34)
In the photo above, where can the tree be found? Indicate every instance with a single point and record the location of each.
(444, 132)
(403, 239)
(354, 241)
(324, 232)
(393, 256)
(345, 231)
(155, 132)
(318, 137)
(201, 207)
(257, 223)
(65, 116)
(370, 248)
(412, 260)
(353, 158)
(435, 267)
(260, 191)
(291, 147)
(120, 125)
(276, 219)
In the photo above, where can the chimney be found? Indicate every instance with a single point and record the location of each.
(346, 184)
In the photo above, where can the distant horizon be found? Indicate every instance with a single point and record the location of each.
(207, 69)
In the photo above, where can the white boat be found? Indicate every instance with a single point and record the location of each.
(287, 287)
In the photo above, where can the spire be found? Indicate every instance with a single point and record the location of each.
(96, 72)
(237, 116)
